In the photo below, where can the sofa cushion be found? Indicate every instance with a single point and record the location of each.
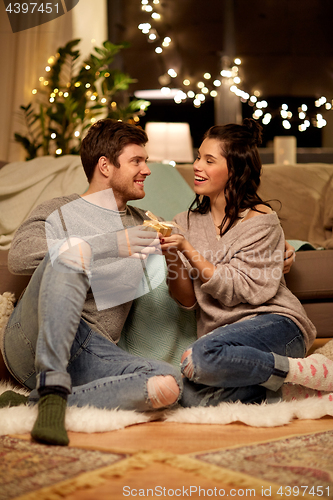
(311, 276)
(321, 313)
(10, 282)
(300, 189)
(321, 230)
(157, 328)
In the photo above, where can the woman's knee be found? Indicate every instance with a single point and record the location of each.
(163, 390)
(187, 364)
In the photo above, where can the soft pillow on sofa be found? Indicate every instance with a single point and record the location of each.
(157, 328)
(301, 190)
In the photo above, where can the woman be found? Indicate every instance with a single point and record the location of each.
(228, 265)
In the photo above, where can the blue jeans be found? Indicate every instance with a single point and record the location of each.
(245, 361)
(47, 343)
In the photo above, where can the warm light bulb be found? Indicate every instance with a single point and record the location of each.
(207, 76)
(172, 73)
(237, 61)
(158, 50)
(58, 151)
(186, 82)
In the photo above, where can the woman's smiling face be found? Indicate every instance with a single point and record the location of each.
(210, 169)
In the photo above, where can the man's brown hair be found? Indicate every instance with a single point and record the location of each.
(108, 138)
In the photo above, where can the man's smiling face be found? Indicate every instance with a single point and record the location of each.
(127, 181)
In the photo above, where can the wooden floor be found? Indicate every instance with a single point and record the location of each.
(177, 439)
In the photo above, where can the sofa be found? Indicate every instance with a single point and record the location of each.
(301, 194)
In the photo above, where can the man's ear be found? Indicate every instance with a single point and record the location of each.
(104, 166)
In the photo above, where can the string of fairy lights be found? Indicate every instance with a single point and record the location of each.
(198, 91)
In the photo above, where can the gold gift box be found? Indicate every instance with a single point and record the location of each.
(155, 225)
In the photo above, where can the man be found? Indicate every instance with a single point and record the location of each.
(60, 341)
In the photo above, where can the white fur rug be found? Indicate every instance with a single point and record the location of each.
(20, 419)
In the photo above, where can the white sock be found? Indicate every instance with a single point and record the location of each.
(314, 372)
(296, 392)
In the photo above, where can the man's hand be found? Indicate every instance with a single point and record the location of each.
(138, 243)
(289, 257)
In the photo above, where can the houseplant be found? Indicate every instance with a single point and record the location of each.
(72, 96)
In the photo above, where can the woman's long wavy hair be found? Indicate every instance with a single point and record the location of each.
(239, 147)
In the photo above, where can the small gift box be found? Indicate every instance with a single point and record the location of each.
(154, 224)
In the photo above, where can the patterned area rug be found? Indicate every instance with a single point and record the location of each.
(30, 470)
(297, 466)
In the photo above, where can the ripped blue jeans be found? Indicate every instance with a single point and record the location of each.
(246, 361)
(47, 343)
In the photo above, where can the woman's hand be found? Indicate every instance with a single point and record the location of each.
(289, 257)
(172, 243)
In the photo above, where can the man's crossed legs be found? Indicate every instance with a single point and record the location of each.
(51, 350)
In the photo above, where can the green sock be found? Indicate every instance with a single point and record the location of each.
(49, 427)
(11, 398)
